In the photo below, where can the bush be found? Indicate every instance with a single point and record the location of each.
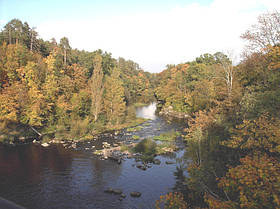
(146, 147)
(169, 136)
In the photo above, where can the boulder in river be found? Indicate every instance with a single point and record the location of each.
(156, 162)
(106, 145)
(141, 166)
(117, 191)
(135, 194)
(114, 191)
(169, 162)
(109, 190)
(45, 144)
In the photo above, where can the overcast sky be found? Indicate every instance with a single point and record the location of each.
(152, 33)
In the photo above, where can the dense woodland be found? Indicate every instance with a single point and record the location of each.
(233, 131)
(233, 135)
(57, 89)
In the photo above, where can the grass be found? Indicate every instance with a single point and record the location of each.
(165, 147)
(134, 129)
(168, 136)
(149, 149)
(139, 104)
(127, 124)
(97, 152)
(135, 137)
(124, 148)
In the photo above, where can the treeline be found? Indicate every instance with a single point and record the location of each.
(233, 135)
(50, 86)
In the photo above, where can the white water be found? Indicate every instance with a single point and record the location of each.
(147, 112)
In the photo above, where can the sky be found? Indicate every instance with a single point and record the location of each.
(152, 33)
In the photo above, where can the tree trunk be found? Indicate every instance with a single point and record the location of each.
(10, 36)
(64, 56)
(31, 42)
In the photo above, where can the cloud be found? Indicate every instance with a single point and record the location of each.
(164, 37)
(2, 23)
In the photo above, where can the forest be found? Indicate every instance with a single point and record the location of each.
(56, 89)
(232, 110)
(233, 131)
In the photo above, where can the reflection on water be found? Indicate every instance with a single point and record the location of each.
(147, 112)
(55, 177)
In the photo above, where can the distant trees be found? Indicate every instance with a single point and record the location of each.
(16, 32)
(65, 46)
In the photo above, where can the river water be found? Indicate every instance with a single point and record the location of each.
(56, 177)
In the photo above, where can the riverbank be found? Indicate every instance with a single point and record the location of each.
(170, 112)
(16, 134)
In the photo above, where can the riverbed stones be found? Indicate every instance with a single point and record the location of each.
(106, 145)
(135, 194)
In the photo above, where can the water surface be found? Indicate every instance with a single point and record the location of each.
(56, 177)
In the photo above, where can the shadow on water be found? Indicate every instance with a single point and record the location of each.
(55, 177)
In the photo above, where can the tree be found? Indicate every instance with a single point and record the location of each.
(13, 31)
(33, 34)
(224, 70)
(65, 46)
(253, 184)
(265, 33)
(96, 87)
(34, 110)
(114, 104)
(12, 99)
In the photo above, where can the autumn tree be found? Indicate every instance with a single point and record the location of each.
(265, 33)
(96, 87)
(114, 104)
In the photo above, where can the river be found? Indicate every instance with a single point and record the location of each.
(56, 177)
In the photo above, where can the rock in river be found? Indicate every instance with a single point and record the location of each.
(142, 167)
(156, 162)
(117, 191)
(169, 162)
(135, 194)
(45, 144)
(108, 190)
(113, 191)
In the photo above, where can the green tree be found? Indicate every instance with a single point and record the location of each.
(65, 46)
(114, 104)
(96, 86)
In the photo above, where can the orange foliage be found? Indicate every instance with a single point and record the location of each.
(256, 183)
(261, 134)
(172, 201)
(274, 57)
